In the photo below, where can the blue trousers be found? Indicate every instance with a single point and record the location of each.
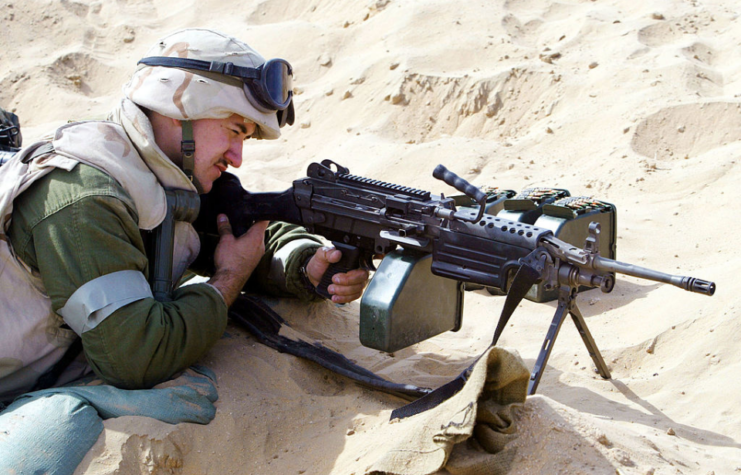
(50, 431)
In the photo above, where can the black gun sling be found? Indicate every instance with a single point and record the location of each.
(264, 323)
(524, 279)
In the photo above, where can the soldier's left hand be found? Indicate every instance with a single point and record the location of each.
(345, 287)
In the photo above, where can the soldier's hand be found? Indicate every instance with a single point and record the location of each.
(345, 287)
(236, 258)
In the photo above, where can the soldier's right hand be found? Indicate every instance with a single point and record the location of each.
(236, 258)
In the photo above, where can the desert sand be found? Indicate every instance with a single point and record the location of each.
(634, 103)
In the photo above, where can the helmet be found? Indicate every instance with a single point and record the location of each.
(200, 74)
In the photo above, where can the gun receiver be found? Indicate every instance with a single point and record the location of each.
(365, 217)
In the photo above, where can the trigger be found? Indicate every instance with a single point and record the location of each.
(370, 265)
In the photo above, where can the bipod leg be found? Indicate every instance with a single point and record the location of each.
(564, 302)
(586, 336)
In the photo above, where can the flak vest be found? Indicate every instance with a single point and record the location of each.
(32, 336)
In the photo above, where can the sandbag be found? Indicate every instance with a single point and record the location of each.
(468, 433)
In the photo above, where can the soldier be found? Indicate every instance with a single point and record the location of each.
(74, 210)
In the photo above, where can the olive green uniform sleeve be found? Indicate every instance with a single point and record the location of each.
(303, 246)
(274, 275)
(73, 227)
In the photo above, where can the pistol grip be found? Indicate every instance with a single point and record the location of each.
(350, 260)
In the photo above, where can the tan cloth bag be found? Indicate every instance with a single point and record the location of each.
(468, 433)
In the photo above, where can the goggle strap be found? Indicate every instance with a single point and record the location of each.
(228, 69)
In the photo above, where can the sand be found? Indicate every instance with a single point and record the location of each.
(634, 103)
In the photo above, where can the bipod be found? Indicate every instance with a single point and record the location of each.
(566, 305)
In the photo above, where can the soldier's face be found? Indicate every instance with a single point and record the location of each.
(218, 146)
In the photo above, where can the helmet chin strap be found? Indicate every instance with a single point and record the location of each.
(188, 151)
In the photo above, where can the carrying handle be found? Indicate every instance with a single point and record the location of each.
(450, 178)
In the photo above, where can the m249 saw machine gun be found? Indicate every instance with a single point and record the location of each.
(431, 250)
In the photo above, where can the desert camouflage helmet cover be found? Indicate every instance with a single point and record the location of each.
(190, 95)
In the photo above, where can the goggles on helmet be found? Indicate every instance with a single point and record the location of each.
(267, 87)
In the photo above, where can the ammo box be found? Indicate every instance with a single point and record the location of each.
(568, 217)
(527, 207)
(405, 303)
(495, 199)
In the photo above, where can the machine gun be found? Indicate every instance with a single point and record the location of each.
(423, 236)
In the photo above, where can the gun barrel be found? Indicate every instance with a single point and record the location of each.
(690, 284)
